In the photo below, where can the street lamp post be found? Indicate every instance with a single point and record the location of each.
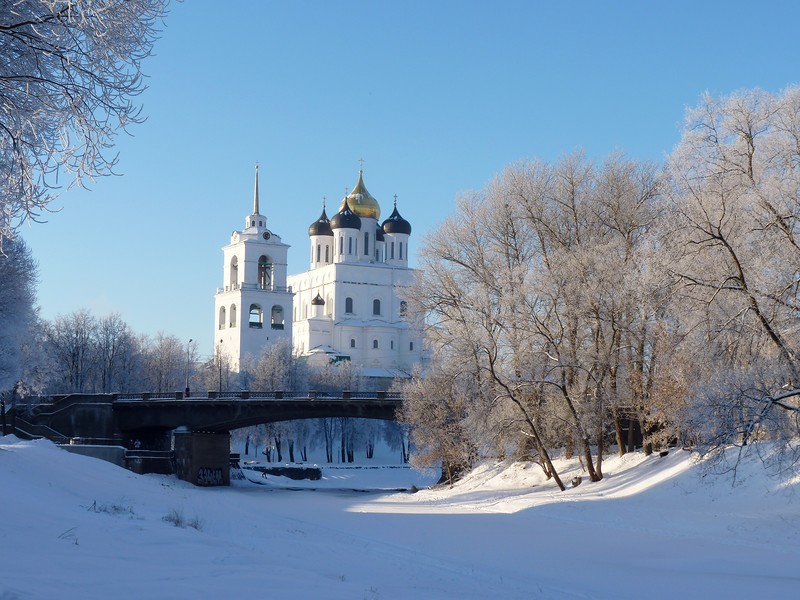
(186, 391)
(219, 360)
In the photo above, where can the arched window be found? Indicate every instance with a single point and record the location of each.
(391, 345)
(341, 245)
(276, 317)
(319, 250)
(264, 272)
(401, 250)
(376, 307)
(348, 305)
(256, 316)
(403, 308)
(375, 344)
(349, 245)
(234, 275)
(352, 342)
(411, 346)
(233, 315)
(222, 317)
(327, 253)
(366, 242)
(391, 251)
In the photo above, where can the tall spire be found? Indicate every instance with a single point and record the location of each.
(255, 194)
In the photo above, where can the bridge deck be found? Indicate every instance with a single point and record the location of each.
(109, 415)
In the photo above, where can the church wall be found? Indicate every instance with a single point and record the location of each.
(364, 283)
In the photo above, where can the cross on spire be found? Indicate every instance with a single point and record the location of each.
(360, 164)
(395, 200)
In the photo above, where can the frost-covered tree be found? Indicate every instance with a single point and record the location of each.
(543, 287)
(69, 342)
(273, 370)
(80, 352)
(116, 354)
(165, 364)
(69, 72)
(735, 188)
(17, 310)
(435, 408)
(334, 378)
(734, 185)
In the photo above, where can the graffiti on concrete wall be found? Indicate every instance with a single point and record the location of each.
(208, 476)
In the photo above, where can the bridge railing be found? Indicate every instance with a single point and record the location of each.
(152, 396)
(241, 394)
(30, 430)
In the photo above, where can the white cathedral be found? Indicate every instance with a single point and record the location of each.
(347, 306)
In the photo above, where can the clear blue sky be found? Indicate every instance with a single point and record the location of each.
(436, 97)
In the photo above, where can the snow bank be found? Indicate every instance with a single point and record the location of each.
(76, 527)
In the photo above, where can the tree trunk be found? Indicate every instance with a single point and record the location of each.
(618, 432)
(569, 447)
(600, 449)
(327, 426)
(370, 448)
(584, 439)
(631, 435)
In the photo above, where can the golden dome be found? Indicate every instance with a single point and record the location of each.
(361, 201)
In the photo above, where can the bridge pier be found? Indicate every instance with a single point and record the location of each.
(203, 458)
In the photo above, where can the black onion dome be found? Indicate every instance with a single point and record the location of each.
(321, 226)
(396, 224)
(379, 234)
(346, 219)
(318, 301)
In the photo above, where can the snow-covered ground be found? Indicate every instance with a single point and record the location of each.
(77, 527)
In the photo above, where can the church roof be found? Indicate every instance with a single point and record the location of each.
(379, 234)
(318, 301)
(321, 226)
(346, 218)
(361, 201)
(396, 224)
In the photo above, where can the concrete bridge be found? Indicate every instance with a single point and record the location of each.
(167, 433)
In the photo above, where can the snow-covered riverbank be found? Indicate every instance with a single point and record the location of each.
(76, 527)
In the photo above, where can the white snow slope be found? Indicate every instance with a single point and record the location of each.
(77, 527)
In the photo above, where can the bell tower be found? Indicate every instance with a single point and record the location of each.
(253, 308)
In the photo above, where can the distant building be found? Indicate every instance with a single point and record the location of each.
(254, 306)
(346, 307)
